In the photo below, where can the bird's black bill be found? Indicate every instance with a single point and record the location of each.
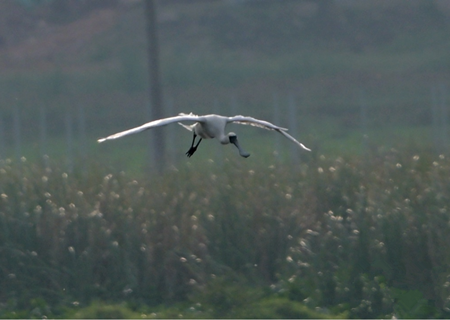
(193, 148)
(243, 153)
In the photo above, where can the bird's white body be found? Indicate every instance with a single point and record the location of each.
(210, 126)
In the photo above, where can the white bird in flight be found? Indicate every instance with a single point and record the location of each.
(208, 127)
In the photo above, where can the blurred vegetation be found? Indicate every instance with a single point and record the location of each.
(332, 56)
(359, 237)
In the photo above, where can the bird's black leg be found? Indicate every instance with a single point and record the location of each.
(192, 149)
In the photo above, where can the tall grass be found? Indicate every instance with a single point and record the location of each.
(363, 235)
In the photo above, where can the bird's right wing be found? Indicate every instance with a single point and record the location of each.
(153, 124)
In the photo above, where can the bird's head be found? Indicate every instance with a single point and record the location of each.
(232, 137)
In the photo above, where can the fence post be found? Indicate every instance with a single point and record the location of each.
(444, 116)
(363, 120)
(2, 139)
(156, 97)
(150, 165)
(69, 141)
(293, 127)
(17, 134)
(435, 119)
(171, 131)
(276, 121)
(233, 105)
(43, 135)
(82, 131)
(219, 148)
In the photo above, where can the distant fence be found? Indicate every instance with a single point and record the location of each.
(286, 111)
(439, 111)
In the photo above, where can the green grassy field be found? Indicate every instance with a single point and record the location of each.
(352, 237)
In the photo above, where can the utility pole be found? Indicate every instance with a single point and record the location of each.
(155, 84)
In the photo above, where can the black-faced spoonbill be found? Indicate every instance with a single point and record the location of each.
(208, 127)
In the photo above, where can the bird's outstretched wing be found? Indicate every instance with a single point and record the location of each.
(254, 122)
(287, 135)
(153, 124)
(265, 125)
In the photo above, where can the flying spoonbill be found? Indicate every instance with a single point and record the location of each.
(208, 127)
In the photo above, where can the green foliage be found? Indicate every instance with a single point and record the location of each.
(410, 304)
(105, 311)
(267, 308)
(229, 298)
(367, 237)
(280, 308)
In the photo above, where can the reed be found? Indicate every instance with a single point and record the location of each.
(350, 235)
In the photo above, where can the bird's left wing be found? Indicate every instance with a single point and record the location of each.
(153, 124)
(287, 135)
(266, 125)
